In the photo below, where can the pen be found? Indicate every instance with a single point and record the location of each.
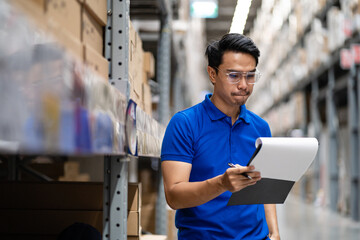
(244, 174)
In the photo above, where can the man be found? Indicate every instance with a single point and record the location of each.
(200, 142)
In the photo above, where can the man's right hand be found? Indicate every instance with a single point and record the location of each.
(233, 179)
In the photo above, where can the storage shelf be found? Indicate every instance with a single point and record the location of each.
(315, 74)
(321, 15)
(66, 108)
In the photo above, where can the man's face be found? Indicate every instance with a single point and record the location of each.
(229, 93)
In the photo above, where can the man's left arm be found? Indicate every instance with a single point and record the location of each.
(271, 219)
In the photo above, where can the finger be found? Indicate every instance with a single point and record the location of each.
(241, 169)
(250, 168)
(254, 175)
(251, 183)
(245, 168)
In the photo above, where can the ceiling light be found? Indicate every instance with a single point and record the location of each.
(204, 8)
(240, 16)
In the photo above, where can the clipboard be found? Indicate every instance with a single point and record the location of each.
(281, 161)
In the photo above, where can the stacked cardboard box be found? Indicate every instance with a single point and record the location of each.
(149, 198)
(72, 173)
(57, 205)
(149, 72)
(135, 66)
(134, 210)
(149, 237)
(42, 210)
(77, 25)
(139, 87)
(134, 224)
(171, 230)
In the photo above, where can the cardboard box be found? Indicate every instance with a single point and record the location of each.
(30, 4)
(92, 33)
(13, 221)
(52, 195)
(40, 3)
(34, 9)
(153, 237)
(171, 230)
(147, 98)
(149, 65)
(148, 211)
(96, 61)
(133, 237)
(29, 237)
(135, 62)
(72, 173)
(97, 8)
(134, 197)
(133, 223)
(148, 217)
(66, 40)
(71, 169)
(147, 237)
(67, 14)
(133, 94)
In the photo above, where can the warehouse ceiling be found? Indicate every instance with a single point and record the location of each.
(151, 11)
(147, 9)
(219, 26)
(215, 28)
(146, 16)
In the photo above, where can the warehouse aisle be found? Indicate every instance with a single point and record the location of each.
(298, 220)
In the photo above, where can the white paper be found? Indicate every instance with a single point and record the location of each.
(284, 158)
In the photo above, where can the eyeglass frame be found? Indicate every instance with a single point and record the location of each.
(257, 75)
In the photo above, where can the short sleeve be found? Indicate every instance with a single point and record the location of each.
(177, 144)
(267, 130)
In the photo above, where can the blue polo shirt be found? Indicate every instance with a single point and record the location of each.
(205, 137)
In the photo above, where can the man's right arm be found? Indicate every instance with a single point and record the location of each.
(180, 193)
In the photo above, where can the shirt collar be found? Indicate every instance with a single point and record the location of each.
(215, 114)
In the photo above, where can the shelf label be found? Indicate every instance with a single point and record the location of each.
(346, 58)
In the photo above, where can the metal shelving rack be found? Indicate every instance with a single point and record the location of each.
(333, 81)
(329, 95)
(116, 165)
(326, 89)
(117, 168)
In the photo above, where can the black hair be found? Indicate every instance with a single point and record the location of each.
(230, 42)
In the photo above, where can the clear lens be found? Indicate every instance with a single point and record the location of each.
(250, 77)
(234, 76)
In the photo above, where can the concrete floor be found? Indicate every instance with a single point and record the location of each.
(298, 220)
